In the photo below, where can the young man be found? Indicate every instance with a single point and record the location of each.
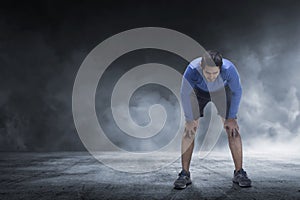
(209, 78)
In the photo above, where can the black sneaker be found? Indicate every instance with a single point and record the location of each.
(240, 177)
(183, 180)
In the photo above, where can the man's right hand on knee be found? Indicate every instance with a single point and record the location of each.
(190, 128)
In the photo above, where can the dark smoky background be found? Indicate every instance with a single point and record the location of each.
(43, 43)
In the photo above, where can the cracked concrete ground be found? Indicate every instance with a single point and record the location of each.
(78, 175)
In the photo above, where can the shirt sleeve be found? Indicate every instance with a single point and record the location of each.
(187, 85)
(235, 86)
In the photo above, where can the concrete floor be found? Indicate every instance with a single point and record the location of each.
(78, 175)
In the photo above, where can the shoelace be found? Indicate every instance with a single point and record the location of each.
(244, 175)
(181, 175)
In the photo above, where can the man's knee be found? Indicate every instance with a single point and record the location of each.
(189, 135)
(190, 131)
(233, 134)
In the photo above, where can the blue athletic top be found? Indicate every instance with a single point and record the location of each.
(193, 78)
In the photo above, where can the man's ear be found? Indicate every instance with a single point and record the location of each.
(202, 67)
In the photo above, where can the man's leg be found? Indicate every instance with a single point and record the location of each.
(235, 145)
(187, 142)
(187, 146)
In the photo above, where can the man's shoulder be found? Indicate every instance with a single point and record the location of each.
(228, 69)
(194, 64)
(227, 64)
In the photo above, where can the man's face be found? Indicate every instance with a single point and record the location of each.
(211, 73)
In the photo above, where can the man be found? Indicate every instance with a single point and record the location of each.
(209, 78)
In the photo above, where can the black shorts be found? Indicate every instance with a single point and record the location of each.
(221, 99)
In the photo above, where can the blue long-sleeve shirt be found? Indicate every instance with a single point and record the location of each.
(194, 78)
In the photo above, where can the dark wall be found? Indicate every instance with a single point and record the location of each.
(43, 43)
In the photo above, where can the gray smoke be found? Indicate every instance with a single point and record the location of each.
(40, 56)
(268, 62)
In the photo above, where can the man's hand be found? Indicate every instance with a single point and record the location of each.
(231, 127)
(190, 128)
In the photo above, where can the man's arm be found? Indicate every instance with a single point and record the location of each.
(187, 86)
(235, 86)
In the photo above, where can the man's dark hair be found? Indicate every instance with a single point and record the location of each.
(212, 58)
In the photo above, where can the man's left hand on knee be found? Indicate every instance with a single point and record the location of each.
(231, 127)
